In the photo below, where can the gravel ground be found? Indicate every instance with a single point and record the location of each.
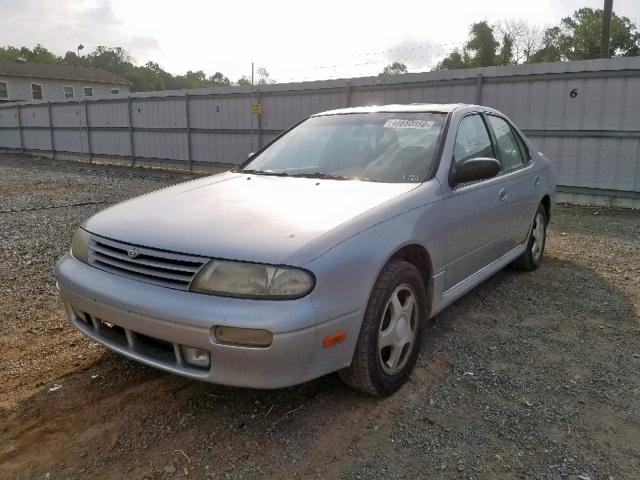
(531, 375)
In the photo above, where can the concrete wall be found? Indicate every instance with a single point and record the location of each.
(19, 88)
(585, 116)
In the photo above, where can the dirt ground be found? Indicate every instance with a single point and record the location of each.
(531, 375)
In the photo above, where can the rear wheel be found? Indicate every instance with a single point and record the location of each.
(532, 256)
(389, 341)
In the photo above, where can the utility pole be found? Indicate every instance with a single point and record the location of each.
(606, 29)
(252, 102)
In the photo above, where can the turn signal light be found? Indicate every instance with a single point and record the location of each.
(332, 340)
(249, 337)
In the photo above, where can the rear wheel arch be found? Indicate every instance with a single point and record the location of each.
(546, 203)
(531, 258)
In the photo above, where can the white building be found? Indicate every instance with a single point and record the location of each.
(23, 81)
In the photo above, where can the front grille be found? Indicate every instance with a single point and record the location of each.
(168, 269)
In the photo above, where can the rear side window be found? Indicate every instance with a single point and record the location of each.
(508, 150)
(472, 139)
(524, 150)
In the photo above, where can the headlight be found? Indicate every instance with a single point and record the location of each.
(80, 245)
(252, 280)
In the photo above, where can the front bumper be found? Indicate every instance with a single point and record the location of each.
(149, 323)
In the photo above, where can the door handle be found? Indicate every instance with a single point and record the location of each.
(502, 194)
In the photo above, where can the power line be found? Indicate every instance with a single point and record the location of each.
(420, 46)
(416, 47)
(406, 60)
(372, 62)
(417, 68)
(324, 68)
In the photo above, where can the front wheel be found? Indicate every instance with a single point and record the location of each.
(389, 341)
(532, 256)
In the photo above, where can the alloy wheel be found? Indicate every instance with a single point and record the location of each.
(537, 233)
(398, 328)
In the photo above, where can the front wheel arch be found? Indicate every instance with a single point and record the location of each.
(419, 257)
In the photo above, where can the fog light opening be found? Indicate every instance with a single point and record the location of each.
(248, 337)
(196, 357)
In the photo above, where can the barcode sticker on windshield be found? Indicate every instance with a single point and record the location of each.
(399, 123)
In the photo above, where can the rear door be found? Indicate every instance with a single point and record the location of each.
(522, 185)
(475, 212)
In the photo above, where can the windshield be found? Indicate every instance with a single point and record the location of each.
(379, 147)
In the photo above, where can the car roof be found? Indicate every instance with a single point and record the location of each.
(410, 107)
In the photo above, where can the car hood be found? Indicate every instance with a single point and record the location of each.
(240, 216)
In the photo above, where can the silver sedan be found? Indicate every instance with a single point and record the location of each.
(328, 250)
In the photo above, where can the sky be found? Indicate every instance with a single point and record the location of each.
(293, 40)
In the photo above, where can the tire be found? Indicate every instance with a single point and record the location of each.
(389, 318)
(532, 256)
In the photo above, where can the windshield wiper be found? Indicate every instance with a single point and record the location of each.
(265, 172)
(328, 176)
(319, 175)
(325, 176)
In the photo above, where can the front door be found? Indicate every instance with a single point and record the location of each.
(475, 212)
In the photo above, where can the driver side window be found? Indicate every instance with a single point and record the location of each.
(472, 139)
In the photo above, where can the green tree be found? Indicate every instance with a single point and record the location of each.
(197, 79)
(150, 76)
(479, 51)
(38, 54)
(112, 59)
(155, 78)
(188, 80)
(578, 37)
(550, 51)
(218, 80)
(505, 57)
(42, 55)
(395, 68)
(243, 81)
(453, 61)
(481, 47)
(71, 58)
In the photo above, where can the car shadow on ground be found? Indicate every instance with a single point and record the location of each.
(513, 345)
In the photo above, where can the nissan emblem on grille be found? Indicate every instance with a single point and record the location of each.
(158, 267)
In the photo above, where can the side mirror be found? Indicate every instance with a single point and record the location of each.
(250, 155)
(474, 169)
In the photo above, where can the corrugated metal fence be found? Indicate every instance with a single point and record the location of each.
(585, 116)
